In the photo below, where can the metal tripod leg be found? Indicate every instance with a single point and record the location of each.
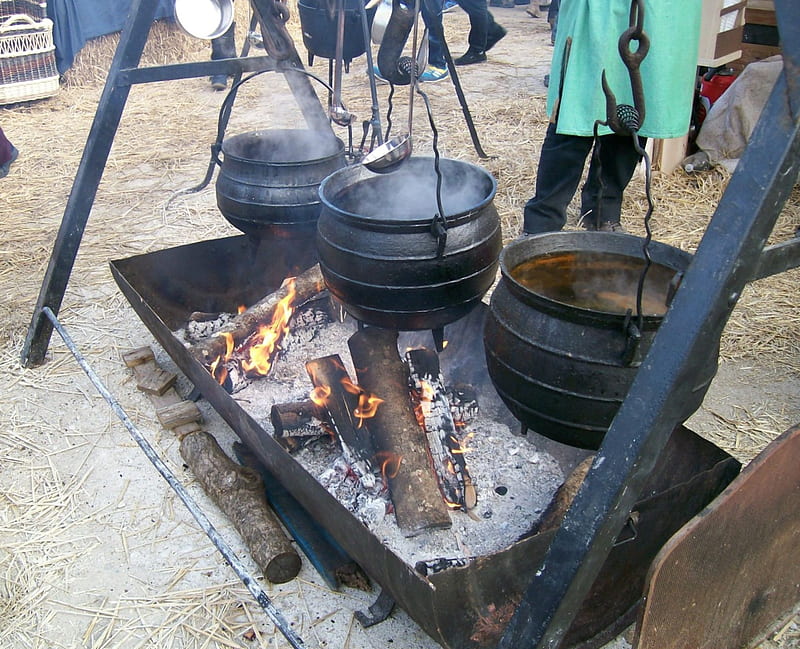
(87, 179)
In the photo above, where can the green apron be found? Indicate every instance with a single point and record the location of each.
(668, 71)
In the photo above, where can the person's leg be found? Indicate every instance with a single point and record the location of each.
(611, 169)
(8, 153)
(478, 26)
(560, 169)
(223, 47)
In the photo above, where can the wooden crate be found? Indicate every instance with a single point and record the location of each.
(721, 29)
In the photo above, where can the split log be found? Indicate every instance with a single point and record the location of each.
(307, 285)
(239, 492)
(341, 401)
(448, 455)
(399, 441)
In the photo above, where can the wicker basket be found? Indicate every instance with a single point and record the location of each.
(32, 8)
(27, 59)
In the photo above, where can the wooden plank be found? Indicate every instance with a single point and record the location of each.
(731, 574)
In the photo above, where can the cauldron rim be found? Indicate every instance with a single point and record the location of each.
(360, 172)
(229, 145)
(580, 241)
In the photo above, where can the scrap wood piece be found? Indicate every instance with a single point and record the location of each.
(149, 377)
(307, 285)
(341, 399)
(399, 441)
(247, 504)
(294, 416)
(446, 450)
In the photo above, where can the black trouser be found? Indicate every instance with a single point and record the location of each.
(561, 164)
(481, 23)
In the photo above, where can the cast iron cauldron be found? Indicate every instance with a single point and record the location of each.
(319, 29)
(389, 261)
(560, 348)
(268, 183)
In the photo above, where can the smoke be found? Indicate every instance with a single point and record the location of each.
(283, 146)
(409, 193)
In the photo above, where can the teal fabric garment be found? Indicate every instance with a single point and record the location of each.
(668, 71)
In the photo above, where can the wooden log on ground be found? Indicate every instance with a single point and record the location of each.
(239, 492)
(449, 461)
(400, 443)
(268, 544)
(341, 400)
(288, 417)
(305, 286)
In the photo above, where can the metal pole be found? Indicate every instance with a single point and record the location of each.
(205, 524)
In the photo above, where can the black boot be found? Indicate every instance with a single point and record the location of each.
(223, 47)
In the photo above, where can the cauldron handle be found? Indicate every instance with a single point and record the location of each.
(633, 337)
(439, 230)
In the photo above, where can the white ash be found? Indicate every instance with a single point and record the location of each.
(515, 481)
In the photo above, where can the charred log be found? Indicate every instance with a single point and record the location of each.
(443, 436)
(289, 418)
(341, 400)
(400, 444)
(305, 286)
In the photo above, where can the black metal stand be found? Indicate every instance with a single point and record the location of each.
(730, 255)
(124, 73)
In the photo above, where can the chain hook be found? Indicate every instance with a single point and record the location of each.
(625, 119)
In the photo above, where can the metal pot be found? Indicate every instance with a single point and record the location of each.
(319, 29)
(561, 348)
(269, 180)
(390, 261)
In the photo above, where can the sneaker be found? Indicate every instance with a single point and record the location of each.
(449, 5)
(471, 56)
(612, 226)
(219, 82)
(434, 74)
(494, 37)
(6, 166)
(378, 76)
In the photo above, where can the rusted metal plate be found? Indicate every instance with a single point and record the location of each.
(731, 573)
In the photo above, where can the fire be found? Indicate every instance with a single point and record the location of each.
(390, 464)
(269, 336)
(319, 395)
(367, 403)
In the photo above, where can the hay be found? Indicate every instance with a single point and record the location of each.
(50, 503)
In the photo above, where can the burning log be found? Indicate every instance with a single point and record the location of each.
(400, 444)
(446, 449)
(337, 393)
(239, 492)
(305, 286)
(295, 415)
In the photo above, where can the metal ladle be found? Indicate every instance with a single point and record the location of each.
(389, 155)
(337, 112)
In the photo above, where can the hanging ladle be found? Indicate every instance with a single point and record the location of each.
(388, 156)
(337, 112)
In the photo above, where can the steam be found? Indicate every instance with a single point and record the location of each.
(283, 146)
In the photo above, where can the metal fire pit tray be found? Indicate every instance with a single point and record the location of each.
(461, 608)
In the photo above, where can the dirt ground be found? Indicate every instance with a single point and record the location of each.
(95, 550)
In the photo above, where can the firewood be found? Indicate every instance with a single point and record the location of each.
(307, 285)
(448, 456)
(239, 492)
(400, 444)
(296, 415)
(178, 414)
(341, 401)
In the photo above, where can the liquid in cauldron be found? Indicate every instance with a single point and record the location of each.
(598, 281)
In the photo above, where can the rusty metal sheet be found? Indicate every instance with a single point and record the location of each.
(730, 575)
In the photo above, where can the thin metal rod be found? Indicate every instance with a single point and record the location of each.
(224, 549)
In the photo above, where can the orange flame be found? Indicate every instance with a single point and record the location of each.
(390, 464)
(320, 394)
(262, 351)
(367, 403)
